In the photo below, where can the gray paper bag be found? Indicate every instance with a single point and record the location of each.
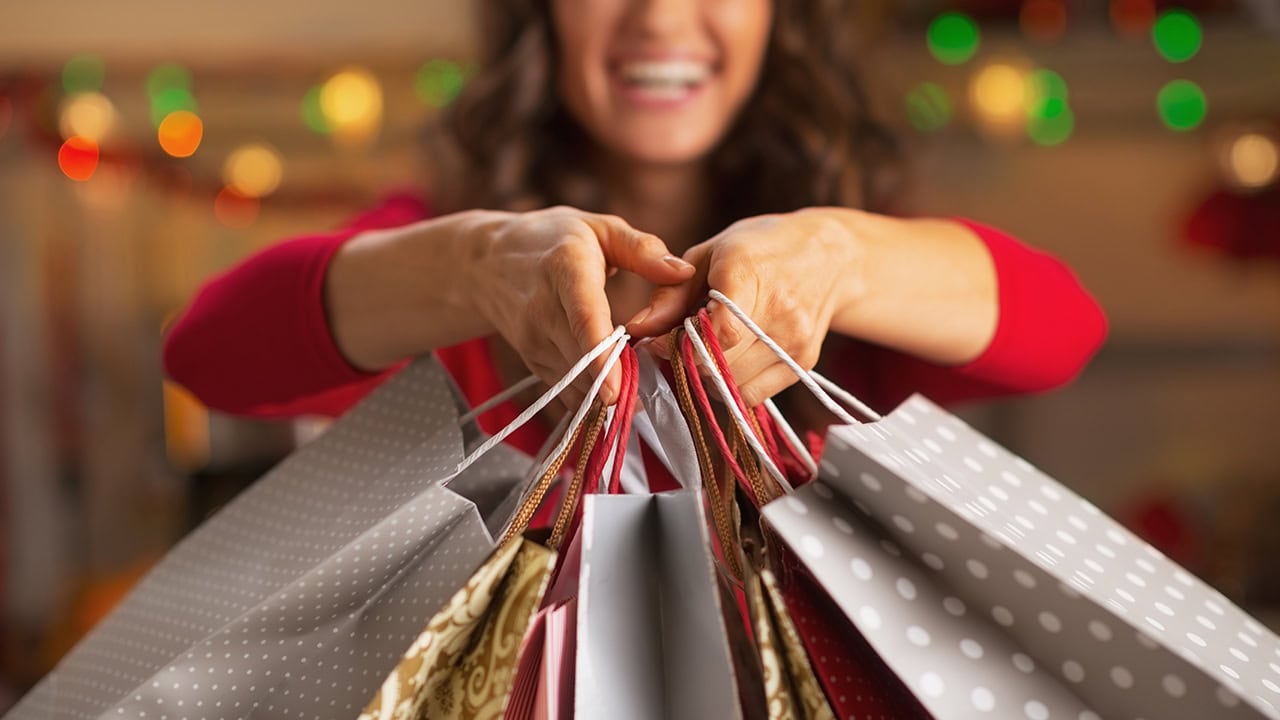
(297, 598)
(1119, 625)
(651, 639)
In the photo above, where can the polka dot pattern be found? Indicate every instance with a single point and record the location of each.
(1082, 599)
(296, 599)
(957, 665)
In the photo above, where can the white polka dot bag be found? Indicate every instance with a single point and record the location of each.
(993, 591)
(298, 597)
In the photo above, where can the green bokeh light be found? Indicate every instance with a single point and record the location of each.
(953, 38)
(928, 107)
(1182, 105)
(438, 82)
(1052, 130)
(1177, 35)
(312, 114)
(83, 73)
(169, 76)
(1048, 95)
(171, 100)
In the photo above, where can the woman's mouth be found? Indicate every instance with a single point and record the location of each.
(662, 82)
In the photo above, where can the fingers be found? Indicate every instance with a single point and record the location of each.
(586, 309)
(670, 304)
(769, 382)
(639, 252)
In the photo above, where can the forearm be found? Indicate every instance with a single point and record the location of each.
(392, 294)
(924, 287)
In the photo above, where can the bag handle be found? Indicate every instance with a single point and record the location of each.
(612, 344)
(817, 384)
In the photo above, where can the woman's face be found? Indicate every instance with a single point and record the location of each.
(659, 81)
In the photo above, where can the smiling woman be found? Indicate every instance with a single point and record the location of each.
(718, 144)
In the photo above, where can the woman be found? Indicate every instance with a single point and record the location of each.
(598, 148)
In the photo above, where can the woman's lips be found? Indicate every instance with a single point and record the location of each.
(661, 83)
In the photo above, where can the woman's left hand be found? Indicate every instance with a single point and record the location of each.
(791, 273)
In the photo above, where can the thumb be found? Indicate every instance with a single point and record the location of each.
(639, 252)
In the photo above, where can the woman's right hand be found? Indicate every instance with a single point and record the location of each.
(535, 278)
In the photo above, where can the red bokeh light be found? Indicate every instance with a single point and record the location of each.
(1133, 18)
(1044, 20)
(78, 158)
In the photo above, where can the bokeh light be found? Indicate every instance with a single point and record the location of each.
(1052, 130)
(1133, 18)
(1043, 20)
(168, 76)
(253, 170)
(234, 209)
(312, 114)
(953, 38)
(998, 93)
(438, 82)
(83, 74)
(1182, 105)
(1252, 160)
(78, 158)
(171, 100)
(1177, 35)
(1047, 94)
(352, 104)
(89, 115)
(928, 107)
(180, 133)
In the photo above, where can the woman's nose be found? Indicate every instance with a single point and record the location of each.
(662, 18)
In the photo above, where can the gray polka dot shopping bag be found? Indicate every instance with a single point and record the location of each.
(296, 599)
(993, 591)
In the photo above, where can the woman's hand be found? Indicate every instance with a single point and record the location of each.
(925, 287)
(535, 278)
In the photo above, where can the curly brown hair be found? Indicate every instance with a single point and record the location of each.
(806, 137)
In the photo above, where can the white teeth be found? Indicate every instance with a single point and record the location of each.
(666, 73)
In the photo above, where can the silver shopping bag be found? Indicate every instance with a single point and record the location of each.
(651, 637)
(297, 598)
(993, 590)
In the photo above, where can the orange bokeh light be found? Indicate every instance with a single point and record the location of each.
(78, 158)
(1133, 18)
(235, 209)
(180, 133)
(1044, 20)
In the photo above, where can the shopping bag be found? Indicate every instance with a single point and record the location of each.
(1084, 601)
(297, 597)
(651, 635)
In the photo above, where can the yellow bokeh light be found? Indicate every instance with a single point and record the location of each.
(253, 170)
(88, 115)
(180, 133)
(351, 101)
(1253, 160)
(999, 96)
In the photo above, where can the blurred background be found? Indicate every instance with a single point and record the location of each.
(145, 145)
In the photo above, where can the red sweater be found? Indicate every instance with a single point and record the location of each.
(256, 341)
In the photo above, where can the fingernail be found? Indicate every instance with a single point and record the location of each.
(640, 316)
(676, 263)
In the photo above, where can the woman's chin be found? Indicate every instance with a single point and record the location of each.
(646, 150)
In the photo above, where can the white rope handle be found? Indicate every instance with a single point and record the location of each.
(727, 396)
(792, 438)
(809, 379)
(616, 340)
(498, 399)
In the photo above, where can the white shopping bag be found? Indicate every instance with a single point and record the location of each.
(651, 637)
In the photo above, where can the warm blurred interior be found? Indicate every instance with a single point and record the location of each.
(146, 145)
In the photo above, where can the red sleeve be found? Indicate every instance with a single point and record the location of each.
(256, 341)
(1049, 327)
